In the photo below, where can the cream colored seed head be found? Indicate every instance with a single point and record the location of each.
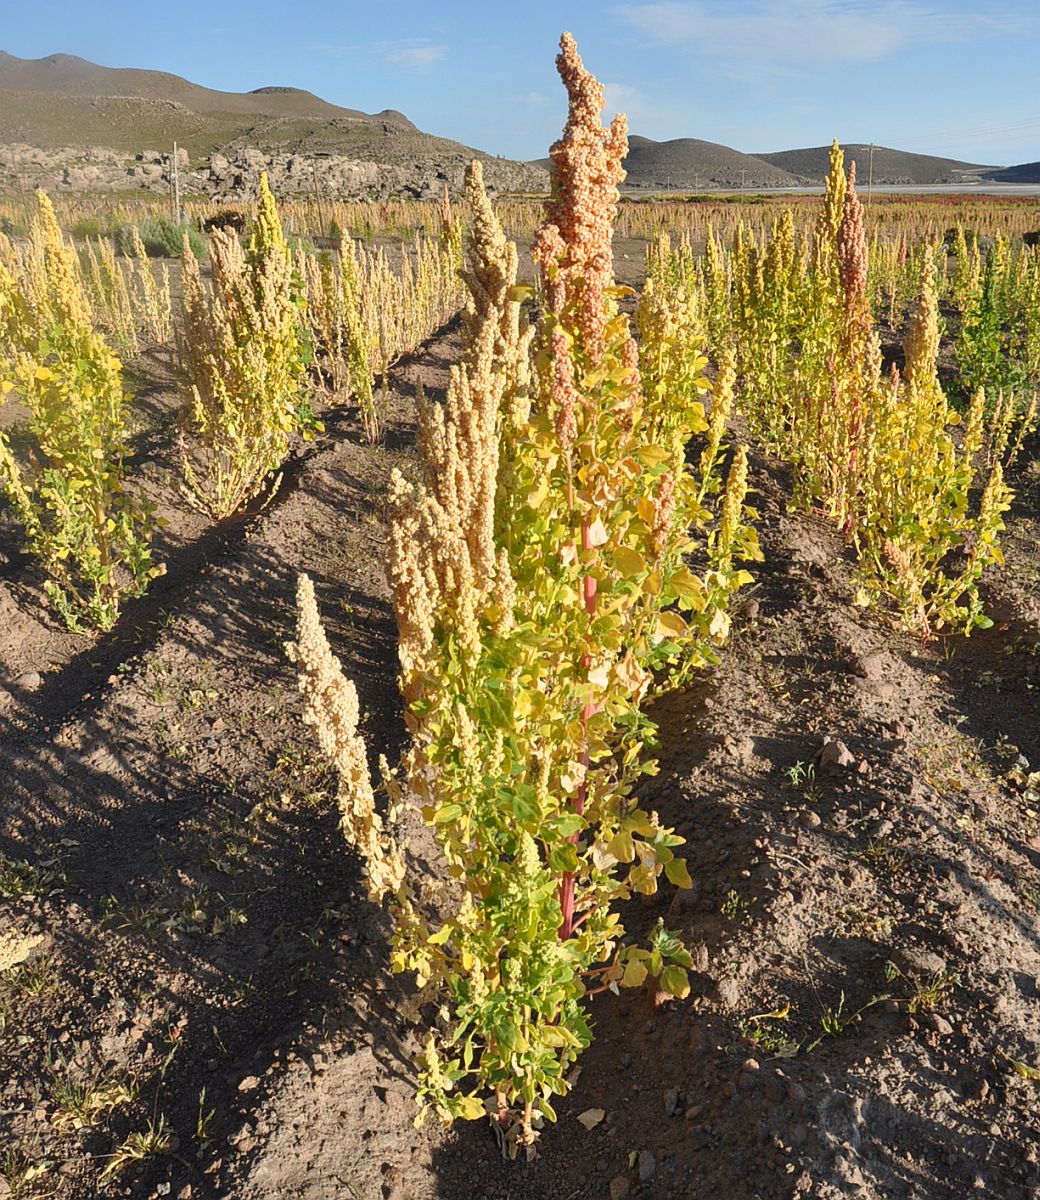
(331, 707)
(733, 500)
(921, 349)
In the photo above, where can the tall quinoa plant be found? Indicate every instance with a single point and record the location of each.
(542, 588)
(245, 353)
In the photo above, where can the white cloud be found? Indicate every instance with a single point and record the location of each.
(416, 56)
(774, 35)
(624, 98)
(535, 101)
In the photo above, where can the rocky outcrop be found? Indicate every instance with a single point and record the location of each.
(235, 173)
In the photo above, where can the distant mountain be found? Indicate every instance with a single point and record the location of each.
(693, 165)
(1023, 173)
(892, 167)
(61, 102)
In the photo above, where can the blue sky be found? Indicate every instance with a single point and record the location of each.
(954, 77)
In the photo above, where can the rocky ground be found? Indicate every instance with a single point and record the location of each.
(193, 999)
(234, 173)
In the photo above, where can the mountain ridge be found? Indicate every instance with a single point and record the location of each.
(66, 107)
(890, 166)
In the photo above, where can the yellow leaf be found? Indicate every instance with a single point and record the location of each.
(600, 676)
(719, 627)
(635, 974)
(470, 1108)
(538, 493)
(621, 846)
(676, 873)
(685, 584)
(602, 859)
(44, 373)
(670, 627)
(628, 561)
(652, 456)
(631, 676)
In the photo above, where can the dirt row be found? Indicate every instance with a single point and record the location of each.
(863, 835)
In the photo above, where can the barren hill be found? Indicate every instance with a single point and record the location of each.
(62, 99)
(1021, 173)
(691, 164)
(61, 104)
(890, 166)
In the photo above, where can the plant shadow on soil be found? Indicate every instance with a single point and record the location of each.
(147, 823)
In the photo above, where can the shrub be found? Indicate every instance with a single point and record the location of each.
(364, 315)
(227, 218)
(876, 450)
(84, 228)
(161, 238)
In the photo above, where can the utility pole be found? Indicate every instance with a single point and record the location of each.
(317, 197)
(742, 173)
(870, 175)
(176, 189)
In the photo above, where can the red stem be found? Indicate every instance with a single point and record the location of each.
(566, 893)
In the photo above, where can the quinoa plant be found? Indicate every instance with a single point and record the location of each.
(245, 354)
(923, 508)
(89, 532)
(542, 577)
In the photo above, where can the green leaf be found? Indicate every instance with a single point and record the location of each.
(563, 858)
(675, 982)
(676, 872)
(450, 812)
(522, 800)
(568, 824)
